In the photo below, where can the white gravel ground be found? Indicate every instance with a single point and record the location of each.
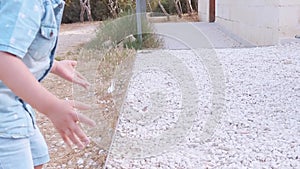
(260, 127)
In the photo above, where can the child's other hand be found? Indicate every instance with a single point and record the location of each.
(67, 120)
(66, 70)
(63, 113)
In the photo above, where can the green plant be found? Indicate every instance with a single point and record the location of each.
(116, 32)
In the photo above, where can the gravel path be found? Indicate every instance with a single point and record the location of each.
(169, 120)
(260, 127)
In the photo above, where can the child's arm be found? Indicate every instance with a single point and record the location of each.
(16, 76)
(66, 70)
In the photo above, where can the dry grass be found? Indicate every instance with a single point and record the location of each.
(100, 68)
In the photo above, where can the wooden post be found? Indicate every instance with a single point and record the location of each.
(140, 12)
(212, 8)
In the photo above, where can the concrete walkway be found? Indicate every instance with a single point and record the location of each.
(197, 35)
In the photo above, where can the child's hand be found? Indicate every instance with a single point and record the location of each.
(63, 114)
(66, 119)
(66, 70)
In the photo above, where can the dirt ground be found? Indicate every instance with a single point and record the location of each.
(72, 37)
(100, 70)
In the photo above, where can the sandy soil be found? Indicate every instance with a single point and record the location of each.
(104, 70)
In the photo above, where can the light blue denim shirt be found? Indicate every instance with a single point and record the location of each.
(28, 30)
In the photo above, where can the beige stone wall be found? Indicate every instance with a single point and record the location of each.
(289, 18)
(254, 20)
(261, 22)
(203, 10)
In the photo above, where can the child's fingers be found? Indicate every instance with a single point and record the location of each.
(83, 83)
(78, 137)
(66, 139)
(75, 136)
(80, 76)
(78, 105)
(80, 117)
(85, 120)
(82, 139)
(81, 80)
(73, 63)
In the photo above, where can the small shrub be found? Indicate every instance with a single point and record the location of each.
(115, 33)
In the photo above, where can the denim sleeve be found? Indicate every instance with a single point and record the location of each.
(19, 23)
